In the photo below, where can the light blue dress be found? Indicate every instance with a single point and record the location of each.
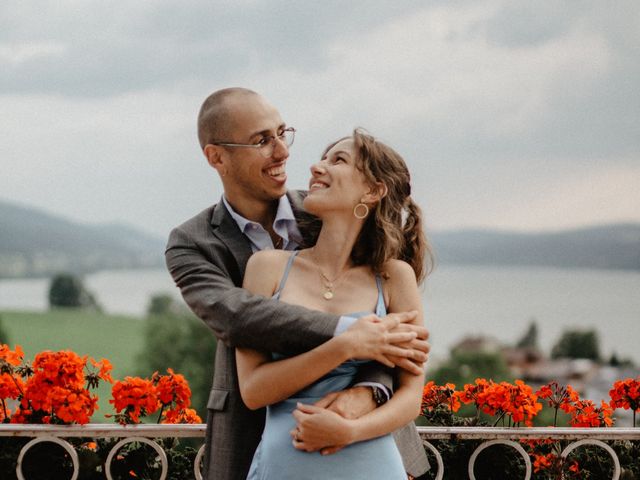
(277, 459)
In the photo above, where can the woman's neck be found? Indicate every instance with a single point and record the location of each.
(335, 243)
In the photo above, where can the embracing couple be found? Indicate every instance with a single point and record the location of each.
(313, 297)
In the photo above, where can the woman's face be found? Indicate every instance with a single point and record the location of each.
(336, 184)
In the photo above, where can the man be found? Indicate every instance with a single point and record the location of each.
(245, 140)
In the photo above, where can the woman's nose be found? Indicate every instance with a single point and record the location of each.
(317, 168)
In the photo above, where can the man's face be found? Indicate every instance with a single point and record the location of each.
(250, 175)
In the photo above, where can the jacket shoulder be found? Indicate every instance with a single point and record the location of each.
(194, 227)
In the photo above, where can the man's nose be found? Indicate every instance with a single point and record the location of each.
(280, 148)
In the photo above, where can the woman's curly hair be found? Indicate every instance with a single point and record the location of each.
(393, 229)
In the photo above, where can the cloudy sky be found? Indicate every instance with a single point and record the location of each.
(511, 114)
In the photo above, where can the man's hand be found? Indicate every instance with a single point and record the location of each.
(350, 403)
(419, 348)
(319, 429)
(370, 337)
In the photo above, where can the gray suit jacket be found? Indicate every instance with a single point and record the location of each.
(206, 257)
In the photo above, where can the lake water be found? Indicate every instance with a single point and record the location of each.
(459, 301)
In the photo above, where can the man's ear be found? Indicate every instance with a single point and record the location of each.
(375, 193)
(213, 154)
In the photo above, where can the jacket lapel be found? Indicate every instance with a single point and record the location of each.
(227, 231)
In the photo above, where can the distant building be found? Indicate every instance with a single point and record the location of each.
(477, 344)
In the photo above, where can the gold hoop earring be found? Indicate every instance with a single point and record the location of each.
(360, 206)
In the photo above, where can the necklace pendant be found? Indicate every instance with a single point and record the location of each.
(328, 295)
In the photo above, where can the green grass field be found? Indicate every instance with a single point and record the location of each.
(115, 337)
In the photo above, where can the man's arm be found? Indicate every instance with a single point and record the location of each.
(237, 317)
(243, 320)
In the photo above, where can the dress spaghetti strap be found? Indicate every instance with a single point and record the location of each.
(276, 295)
(381, 309)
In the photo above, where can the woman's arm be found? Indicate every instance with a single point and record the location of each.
(264, 382)
(317, 427)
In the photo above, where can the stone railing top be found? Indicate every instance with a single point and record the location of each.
(198, 430)
(104, 430)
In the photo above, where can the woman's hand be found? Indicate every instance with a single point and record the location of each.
(319, 428)
(370, 338)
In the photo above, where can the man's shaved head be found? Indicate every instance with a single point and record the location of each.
(214, 117)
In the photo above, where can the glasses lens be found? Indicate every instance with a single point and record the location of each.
(267, 149)
(286, 137)
(289, 137)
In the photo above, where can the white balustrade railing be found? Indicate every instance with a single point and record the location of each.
(146, 433)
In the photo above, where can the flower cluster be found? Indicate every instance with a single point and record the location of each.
(584, 413)
(439, 396)
(55, 389)
(558, 396)
(515, 401)
(626, 394)
(135, 397)
(553, 463)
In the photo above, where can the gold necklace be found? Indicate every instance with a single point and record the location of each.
(327, 283)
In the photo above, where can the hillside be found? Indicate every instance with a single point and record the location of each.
(37, 243)
(608, 246)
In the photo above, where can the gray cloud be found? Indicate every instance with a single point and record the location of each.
(97, 49)
(500, 107)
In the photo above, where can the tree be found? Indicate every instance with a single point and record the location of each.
(160, 304)
(465, 367)
(530, 338)
(615, 361)
(577, 344)
(67, 290)
(4, 336)
(175, 338)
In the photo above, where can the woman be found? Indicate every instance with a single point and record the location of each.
(369, 257)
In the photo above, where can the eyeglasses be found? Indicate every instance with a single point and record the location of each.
(267, 144)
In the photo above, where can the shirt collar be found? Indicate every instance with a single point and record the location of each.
(284, 223)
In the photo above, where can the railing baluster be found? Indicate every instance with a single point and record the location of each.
(616, 461)
(48, 438)
(439, 460)
(151, 443)
(145, 432)
(510, 443)
(197, 470)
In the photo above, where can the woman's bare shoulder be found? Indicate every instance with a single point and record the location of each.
(264, 270)
(268, 258)
(398, 270)
(402, 287)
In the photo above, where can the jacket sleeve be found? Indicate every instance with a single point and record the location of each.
(238, 318)
(374, 372)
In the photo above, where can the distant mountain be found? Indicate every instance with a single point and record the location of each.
(614, 246)
(37, 243)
